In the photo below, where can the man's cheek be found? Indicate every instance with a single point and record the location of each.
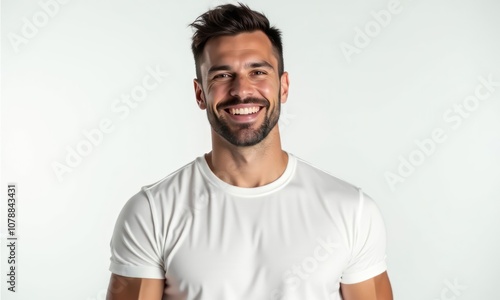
(265, 87)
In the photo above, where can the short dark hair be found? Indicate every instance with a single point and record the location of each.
(230, 19)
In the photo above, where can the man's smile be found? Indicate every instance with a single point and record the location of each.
(243, 113)
(244, 110)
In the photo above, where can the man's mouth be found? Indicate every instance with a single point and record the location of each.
(244, 113)
(244, 110)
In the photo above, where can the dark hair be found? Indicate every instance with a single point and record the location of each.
(229, 19)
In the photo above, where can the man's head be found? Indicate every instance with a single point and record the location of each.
(229, 19)
(239, 68)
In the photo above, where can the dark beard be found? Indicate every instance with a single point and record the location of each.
(244, 136)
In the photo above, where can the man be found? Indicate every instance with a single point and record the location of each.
(247, 220)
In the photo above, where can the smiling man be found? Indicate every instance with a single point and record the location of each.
(247, 220)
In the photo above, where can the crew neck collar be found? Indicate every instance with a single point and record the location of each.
(201, 162)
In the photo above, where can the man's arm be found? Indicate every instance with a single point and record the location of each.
(375, 288)
(136, 253)
(128, 288)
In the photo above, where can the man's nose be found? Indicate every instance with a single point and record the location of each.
(241, 87)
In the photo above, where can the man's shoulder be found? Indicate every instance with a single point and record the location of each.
(151, 197)
(182, 175)
(315, 177)
(312, 171)
(335, 191)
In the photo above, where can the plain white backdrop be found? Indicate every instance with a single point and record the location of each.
(401, 98)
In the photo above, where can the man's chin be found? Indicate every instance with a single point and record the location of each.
(244, 139)
(244, 134)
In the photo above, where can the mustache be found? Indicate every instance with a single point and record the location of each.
(235, 101)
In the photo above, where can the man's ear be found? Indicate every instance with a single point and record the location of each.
(284, 87)
(200, 96)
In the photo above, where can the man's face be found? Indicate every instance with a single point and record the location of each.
(241, 88)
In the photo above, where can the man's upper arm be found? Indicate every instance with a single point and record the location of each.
(375, 288)
(367, 240)
(136, 249)
(365, 277)
(136, 255)
(129, 288)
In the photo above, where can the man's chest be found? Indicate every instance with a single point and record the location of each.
(267, 250)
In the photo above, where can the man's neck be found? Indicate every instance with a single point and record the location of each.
(248, 166)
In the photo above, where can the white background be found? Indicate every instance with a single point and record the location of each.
(354, 115)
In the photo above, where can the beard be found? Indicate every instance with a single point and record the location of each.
(243, 135)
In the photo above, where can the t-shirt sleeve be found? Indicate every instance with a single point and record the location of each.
(135, 250)
(368, 256)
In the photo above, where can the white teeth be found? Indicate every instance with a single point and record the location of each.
(244, 111)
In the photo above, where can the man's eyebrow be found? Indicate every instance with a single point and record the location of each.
(219, 68)
(251, 65)
(259, 64)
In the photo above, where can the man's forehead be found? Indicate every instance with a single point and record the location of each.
(222, 49)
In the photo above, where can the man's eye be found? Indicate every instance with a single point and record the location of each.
(259, 72)
(224, 75)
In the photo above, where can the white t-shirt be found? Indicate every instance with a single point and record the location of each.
(298, 237)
